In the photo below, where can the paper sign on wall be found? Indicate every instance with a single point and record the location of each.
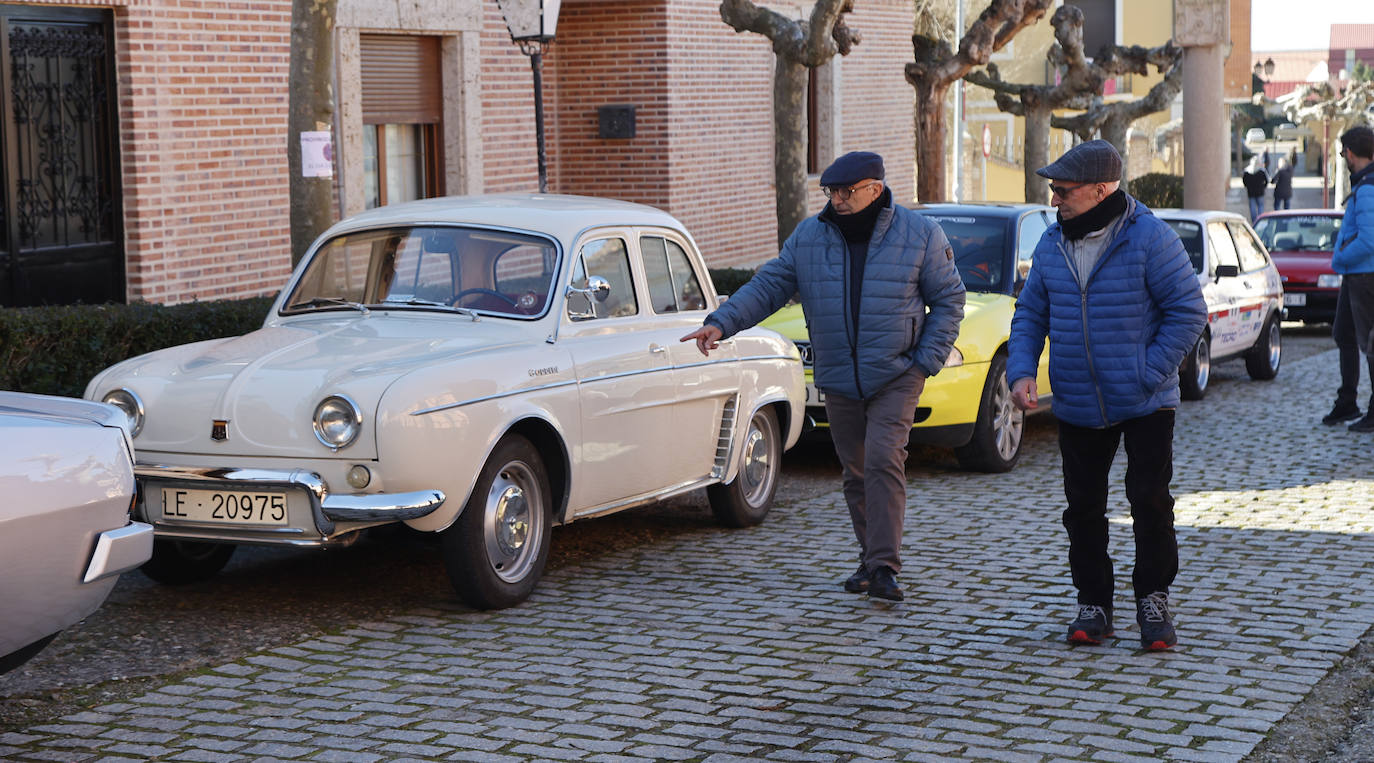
(317, 154)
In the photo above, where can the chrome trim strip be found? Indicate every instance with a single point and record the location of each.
(640, 500)
(497, 396)
(120, 550)
(371, 507)
(246, 539)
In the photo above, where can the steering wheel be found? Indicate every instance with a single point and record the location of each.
(489, 292)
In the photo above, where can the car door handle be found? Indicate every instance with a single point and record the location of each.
(657, 348)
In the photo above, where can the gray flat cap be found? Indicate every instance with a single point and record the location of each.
(1093, 162)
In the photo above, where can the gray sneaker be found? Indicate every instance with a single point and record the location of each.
(1093, 624)
(1156, 624)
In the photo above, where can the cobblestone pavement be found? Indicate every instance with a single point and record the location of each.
(740, 645)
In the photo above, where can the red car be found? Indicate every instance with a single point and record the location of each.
(1300, 242)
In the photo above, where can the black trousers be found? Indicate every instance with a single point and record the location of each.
(1343, 330)
(1088, 455)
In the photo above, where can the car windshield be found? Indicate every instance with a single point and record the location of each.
(1298, 233)
(980, 248)
(471, 270)
(1191, 235)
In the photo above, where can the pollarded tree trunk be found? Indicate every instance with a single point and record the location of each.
(797, 48)
(1037, 120)
(931, 132)
(310, 109)
(789, 143)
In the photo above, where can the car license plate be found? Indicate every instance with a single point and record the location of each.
(1297, 300)
(231, 507)
(814, 396)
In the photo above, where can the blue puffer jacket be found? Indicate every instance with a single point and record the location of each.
(909, 268)
(1354, 251)
(1116, 344)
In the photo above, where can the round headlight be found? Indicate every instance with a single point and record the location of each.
(337, 421)
(125, 400)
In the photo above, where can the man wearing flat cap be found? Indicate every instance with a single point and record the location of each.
(883, 301)
(1113, 290)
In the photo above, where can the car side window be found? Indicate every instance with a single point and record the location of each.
(1252, 256)
(673, 286)
(1033, 227)
(609, 259)
(1223, 248)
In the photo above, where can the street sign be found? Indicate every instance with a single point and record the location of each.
(987, 141)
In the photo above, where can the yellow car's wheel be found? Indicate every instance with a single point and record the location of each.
(996, 442)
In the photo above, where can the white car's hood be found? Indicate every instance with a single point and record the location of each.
(267, 384)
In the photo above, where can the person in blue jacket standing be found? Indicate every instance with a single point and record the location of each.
(883, 301)
(1113, 290)
(1353, 258)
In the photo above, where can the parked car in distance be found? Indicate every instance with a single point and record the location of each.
(67, 476)
(1300, 241)
(1243, 292)
(967, 405)
(1255, 135)
(480, 367)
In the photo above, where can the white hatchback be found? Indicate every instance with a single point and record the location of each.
(1244, 296)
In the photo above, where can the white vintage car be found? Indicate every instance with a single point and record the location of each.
(480, 367)
(66, 474)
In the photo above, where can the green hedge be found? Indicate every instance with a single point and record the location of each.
(1158, 190)
(727, 280)
(56, 350)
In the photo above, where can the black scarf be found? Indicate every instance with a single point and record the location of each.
(1094, 219)
(859, 226)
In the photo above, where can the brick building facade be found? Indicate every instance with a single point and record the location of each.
(201, 122)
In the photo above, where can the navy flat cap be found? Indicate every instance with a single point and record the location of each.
(851, 168)
(1093, 162)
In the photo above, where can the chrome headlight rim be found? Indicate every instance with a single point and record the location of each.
(128, 401)
(353, 416)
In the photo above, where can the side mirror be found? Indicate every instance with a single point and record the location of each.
(1227, 271)
(598, 289)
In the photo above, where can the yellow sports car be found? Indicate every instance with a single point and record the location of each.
(967, 405)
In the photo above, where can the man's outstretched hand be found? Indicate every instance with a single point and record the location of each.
(707, 338)
(1023, 394)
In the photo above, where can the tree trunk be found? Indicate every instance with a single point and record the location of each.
(311, 109)
(1037, 151)
(789, 143)
(930, 141)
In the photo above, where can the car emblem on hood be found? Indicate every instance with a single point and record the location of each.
(219, 430)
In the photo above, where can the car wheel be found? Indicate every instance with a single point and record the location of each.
(496, 551)
(997, 433)
(1196, 370)
(1262, 361)
(178, 562)
(746, 500)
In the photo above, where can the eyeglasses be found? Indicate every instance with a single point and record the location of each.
(842, 193)
(1063, 191)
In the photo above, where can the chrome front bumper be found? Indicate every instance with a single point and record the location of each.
(326, 509)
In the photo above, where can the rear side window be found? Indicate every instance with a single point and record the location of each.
(1190, 233)
(1252, 256)
(673, 286)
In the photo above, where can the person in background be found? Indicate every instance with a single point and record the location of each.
(1255, 180)
(1112, 288)
(1283, 185)
(1353, 258)
(883, 301)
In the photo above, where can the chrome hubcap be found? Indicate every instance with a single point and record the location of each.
(1202, 361)
(757, 470)
(1274, 346)
(513, 521)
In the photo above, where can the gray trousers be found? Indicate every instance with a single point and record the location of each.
(870, 438)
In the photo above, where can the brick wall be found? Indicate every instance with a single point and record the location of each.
(203, 111)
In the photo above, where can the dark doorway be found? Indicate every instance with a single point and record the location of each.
(61, 232)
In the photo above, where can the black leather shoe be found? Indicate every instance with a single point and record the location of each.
(1341, 412)
(858, 582)
(883, 585)
(1365, 424)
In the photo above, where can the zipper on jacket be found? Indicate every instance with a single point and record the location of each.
(1083, 312)
(851, 329)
